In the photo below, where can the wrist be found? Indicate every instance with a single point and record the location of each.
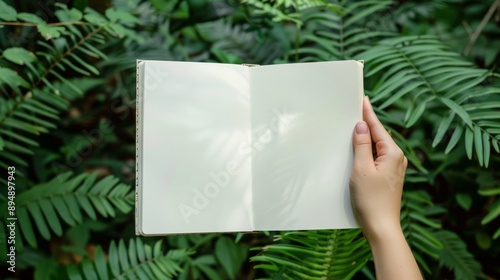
(383, 231)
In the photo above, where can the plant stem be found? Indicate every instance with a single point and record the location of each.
(482, 24)
(15, 23)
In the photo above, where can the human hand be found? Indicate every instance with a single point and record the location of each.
(376, 187)
(377, 176)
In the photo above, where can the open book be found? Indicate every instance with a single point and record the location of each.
(230, 148)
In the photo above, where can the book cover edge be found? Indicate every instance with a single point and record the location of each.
(138, 145)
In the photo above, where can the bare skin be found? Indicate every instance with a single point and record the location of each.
(376, 186)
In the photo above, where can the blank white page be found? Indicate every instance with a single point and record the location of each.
(303, 117)
(194, 175)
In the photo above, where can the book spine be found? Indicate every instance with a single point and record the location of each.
(138, 142)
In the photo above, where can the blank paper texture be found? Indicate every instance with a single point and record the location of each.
(303, 116)
(195, 168)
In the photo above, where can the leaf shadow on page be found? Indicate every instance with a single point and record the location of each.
(205, 121)
(219, 117)
(196, 119)
(302, 167)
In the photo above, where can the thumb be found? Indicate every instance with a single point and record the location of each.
(362, 142)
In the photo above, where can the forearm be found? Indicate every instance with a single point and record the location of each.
(392, 256)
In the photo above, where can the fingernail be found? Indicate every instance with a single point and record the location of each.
(361, 128)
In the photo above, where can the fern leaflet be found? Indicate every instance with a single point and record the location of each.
(65, 199)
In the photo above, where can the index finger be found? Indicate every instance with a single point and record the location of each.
(376, 128)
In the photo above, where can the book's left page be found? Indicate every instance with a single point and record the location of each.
(193, 175)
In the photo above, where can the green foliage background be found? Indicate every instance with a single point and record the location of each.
(67, 125)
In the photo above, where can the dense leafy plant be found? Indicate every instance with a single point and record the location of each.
(138, 261)
(67, 125)
(329, 254)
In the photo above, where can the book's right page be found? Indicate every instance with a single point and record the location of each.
(302, 117)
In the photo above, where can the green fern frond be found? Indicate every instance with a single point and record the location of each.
(422, 71)
(289, 10)
(63, 199)
(418, 227)
(493, 209)
(137, 261)
(233, 43)
(274, 11)
(229, 42)
(323, 254)
(36, 99)
(27, 119)
(456, 257)
(336, 35)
